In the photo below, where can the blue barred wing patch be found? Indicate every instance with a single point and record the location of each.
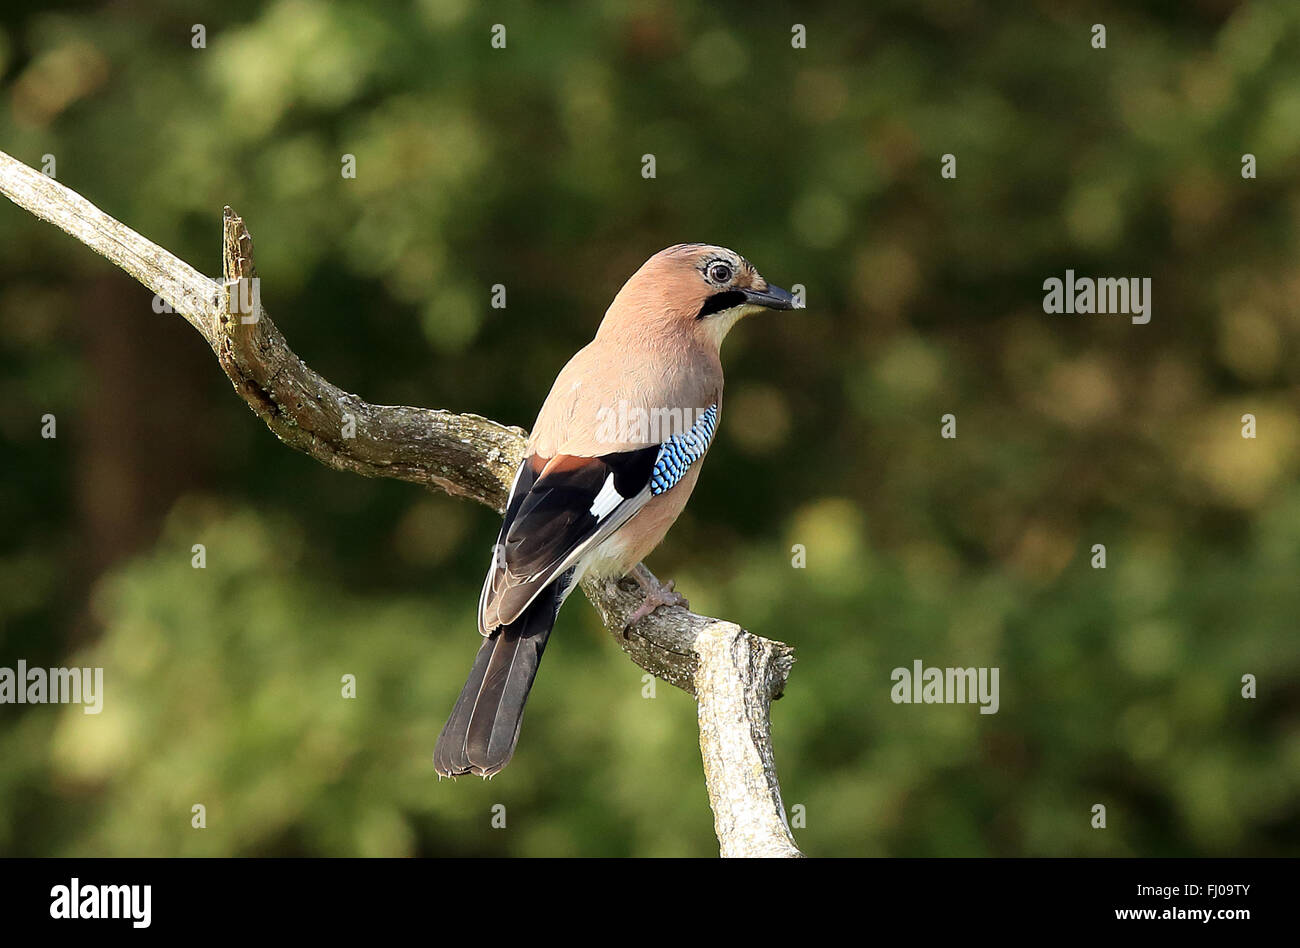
(678, 453)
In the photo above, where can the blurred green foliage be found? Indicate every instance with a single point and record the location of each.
(522, 166)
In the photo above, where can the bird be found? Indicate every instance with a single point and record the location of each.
(610, 463)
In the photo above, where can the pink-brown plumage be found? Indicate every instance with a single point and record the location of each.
(612, 459)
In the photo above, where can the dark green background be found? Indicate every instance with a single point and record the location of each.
(522, 166)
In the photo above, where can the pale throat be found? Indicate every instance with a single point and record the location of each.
(716, 327)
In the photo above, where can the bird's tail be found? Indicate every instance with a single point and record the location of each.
(480, 736)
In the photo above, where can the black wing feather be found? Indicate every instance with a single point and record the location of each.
(555, 518)
(548, 518)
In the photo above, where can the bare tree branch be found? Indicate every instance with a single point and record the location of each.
(733, 674)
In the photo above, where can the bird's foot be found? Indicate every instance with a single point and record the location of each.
(656, 595)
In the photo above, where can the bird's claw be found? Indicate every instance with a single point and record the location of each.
(656, 595)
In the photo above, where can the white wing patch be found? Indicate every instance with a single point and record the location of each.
(606, 500)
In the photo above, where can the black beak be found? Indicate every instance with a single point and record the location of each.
(773, 297)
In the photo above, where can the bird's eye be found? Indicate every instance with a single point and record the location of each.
(720, 273)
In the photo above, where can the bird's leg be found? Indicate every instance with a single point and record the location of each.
(656, 595)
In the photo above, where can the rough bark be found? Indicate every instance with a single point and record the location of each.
(733, 674)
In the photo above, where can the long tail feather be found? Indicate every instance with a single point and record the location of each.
(480, 736)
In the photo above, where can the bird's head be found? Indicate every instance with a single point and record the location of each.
(697, 289)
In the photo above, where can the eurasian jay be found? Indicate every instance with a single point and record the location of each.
(611, 462)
